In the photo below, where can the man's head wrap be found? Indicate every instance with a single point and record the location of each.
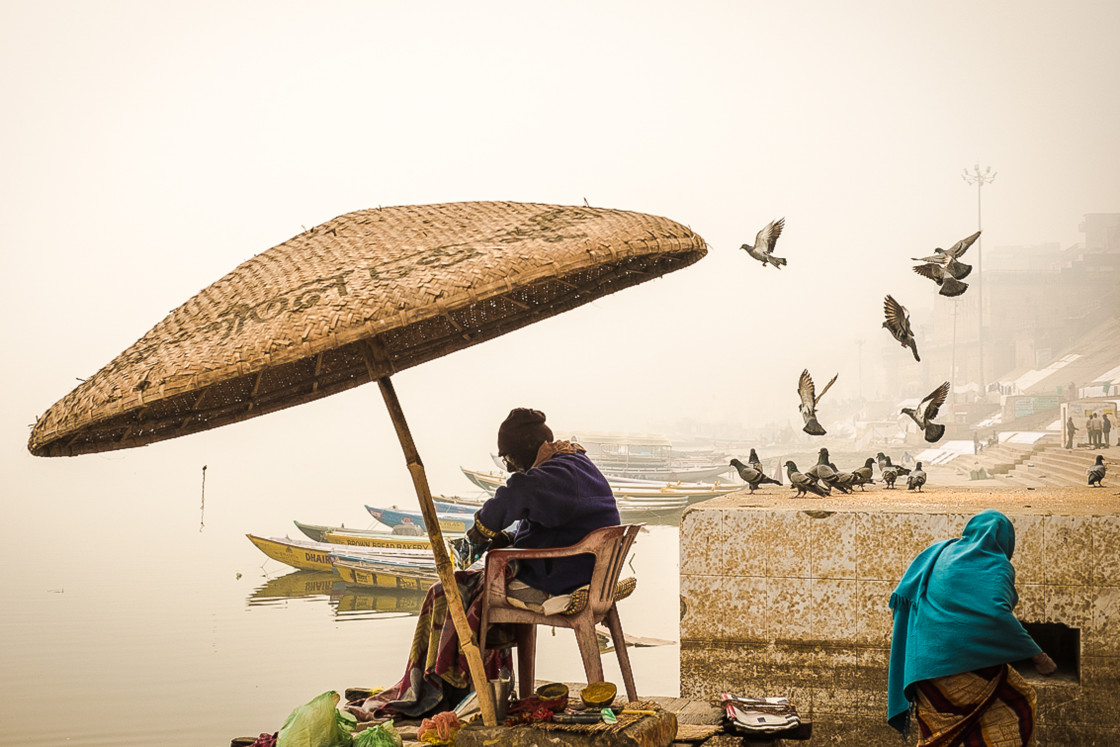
(521, 434)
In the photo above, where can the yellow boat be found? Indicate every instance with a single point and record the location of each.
(374, 575)
(318, 556)
(387, 541)
(308, 556)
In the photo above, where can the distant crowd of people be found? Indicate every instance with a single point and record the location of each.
(1098, 428)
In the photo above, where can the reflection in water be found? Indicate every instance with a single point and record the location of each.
(350, 602)
(356, 603)
(296, 585)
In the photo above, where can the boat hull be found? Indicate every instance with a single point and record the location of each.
(451, 523)
(363, 537)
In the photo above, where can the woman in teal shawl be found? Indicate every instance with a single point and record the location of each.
(954, 636)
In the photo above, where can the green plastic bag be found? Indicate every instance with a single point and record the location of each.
(318, 723)
(382, 735)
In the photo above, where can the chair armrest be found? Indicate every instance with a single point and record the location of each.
(497, 561)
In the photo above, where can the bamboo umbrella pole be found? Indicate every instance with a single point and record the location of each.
(444, 567)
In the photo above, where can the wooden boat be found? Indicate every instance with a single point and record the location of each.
(628, 507)
(452, 523)
(363, 537)
(646, 456)
(646, 494)
(368, 572)
(302, 554)
(317, 556)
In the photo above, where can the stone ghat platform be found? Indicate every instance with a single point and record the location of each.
(789, 597)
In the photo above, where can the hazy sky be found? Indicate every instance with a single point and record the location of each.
(149, 148)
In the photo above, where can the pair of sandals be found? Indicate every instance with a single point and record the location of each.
(746, 716)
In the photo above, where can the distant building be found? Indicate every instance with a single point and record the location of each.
(1037, 299)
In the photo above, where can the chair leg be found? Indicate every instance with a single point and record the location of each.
(526, 659)
(619, 640)
(589, 649)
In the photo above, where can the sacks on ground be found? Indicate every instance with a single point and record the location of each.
(382, 735)
(758, 715)
(317, 723)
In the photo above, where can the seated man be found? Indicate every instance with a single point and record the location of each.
(557, 496)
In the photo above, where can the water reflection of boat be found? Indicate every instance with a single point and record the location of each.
(355, 600)
(297, 585)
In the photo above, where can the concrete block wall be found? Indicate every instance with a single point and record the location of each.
(790, 598)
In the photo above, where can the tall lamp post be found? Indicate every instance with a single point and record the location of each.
(979, 178)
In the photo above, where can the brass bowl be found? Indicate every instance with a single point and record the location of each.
(554, 695)
(598, 694)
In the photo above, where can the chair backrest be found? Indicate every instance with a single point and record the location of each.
(610, 546)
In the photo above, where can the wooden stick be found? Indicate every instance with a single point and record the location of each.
(467, 641)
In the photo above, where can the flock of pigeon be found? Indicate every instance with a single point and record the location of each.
(944, 268)
(824, 476)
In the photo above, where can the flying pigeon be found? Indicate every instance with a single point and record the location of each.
(950, 286)
(898, 324)
(864, 474)
(948, 258)
(801, 482)
(927, 410)
(1096, 472)
(764, 243)
(809, 400)
(751, 476)
(916, 479)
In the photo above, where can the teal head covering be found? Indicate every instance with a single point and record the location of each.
(953, 611)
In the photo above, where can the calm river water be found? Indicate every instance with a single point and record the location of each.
(118, 629)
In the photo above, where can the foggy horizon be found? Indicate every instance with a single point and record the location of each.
(150, 150)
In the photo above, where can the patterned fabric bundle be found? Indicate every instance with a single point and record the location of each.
(436, 675)
(993, 707)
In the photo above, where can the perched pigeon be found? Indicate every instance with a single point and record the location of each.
(927, 410)
(809, 400)
(864, 474)
(801, 482)
(764, 243)
(948, 258)
(885, 460)
(916, 479)
(846, 480)
(754, 461)
(751, 476)
(898, 324)
(950, 286)
(890, 474)
(1096, 472)
(825, 472)
(889, 471)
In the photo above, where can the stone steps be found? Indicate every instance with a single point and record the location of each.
(1059, 467)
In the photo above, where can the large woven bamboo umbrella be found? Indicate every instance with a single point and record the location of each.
(354, 300)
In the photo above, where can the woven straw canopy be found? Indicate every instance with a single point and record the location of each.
(361, 296)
